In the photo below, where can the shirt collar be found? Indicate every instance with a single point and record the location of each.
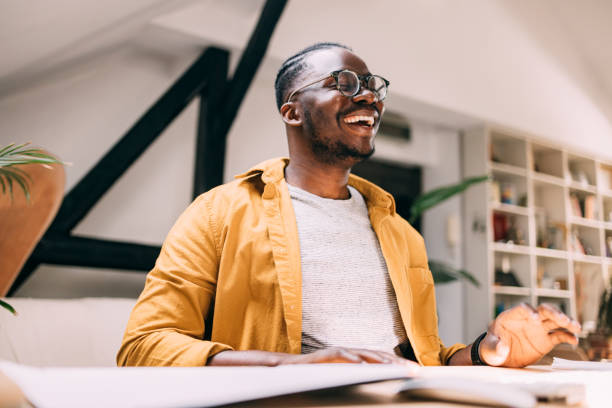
(273, 170)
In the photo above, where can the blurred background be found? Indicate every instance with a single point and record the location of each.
(76, 75)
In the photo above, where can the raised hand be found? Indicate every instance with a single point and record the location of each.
(522, 335)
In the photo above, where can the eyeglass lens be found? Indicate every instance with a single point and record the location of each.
(349, 82)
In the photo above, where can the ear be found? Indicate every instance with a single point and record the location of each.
(291, 114)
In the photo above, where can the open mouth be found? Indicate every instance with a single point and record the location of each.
(360, 120)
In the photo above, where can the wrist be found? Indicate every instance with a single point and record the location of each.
(475, 351)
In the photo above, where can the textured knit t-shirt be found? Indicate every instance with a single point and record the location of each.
(347, 297)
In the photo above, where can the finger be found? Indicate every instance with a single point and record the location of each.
(558, 318)
(395, 359)
(337, 355)
(382, 357)
(372, 356)
(493, 350)
(524, 311)
(562, 336)
(550, 325)
(392, 359)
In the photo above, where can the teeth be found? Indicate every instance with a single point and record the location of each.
(359, 118)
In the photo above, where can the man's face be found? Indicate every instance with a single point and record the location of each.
(342, 129)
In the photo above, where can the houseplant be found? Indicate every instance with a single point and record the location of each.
(12, 176)
(604, 316)
(443, 272)
(600, 342)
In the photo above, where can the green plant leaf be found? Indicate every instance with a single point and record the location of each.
(8, 307)
(9, 181)
(14, 155)
(604, 316)
(19, 154)
(18, 176)
(10, 149)
(443, 273)
(434, 197)
(5, 148)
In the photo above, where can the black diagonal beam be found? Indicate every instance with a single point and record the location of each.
(88, 252)
(212, 134)
(220, 102)
(210, 145)
(79, 201)
(250, 61)
(97, 253)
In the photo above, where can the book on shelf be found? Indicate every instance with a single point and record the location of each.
(575, 204)
(589, 207)
(500, 227)
(577, 245)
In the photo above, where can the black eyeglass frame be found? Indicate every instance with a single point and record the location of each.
(362, 79)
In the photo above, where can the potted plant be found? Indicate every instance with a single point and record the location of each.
(443, 272)
(13, 177)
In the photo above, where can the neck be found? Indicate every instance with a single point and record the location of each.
(323, 179)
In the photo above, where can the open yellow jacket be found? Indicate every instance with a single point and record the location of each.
(236, 249)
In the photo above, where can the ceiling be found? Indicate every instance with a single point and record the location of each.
(38, 37)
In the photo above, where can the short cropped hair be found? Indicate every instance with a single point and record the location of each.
(293, 66)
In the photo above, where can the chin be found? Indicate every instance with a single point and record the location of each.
(361, 155)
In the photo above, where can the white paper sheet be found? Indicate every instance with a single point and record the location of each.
(563, 364)
(184, 387)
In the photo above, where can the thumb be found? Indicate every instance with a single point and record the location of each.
(493, 350)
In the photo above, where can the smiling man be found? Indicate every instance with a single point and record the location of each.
(299, 261)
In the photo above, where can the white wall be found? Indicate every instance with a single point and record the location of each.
(481, 58)
(447, 171)
(79, 116)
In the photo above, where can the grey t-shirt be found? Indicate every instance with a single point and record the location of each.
(347, 297)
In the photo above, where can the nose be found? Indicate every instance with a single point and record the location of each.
(366, 96)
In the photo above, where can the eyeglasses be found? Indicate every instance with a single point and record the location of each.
(349, 84)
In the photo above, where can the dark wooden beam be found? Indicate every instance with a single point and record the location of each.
(98, 253)
(88, 252)
(210, 145)
(79, 201)
(250, 61)
(219, 104)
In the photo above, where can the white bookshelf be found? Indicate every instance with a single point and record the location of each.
(526, 217)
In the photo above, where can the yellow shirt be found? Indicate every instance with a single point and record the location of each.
(236, 249)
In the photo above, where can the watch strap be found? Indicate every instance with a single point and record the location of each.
(475, 351)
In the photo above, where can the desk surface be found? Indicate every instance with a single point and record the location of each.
(598, 387)
(170, 385)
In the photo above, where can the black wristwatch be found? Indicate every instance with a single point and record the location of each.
(474, 352)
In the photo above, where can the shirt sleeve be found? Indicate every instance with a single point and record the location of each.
(166, 326)
(447, 352)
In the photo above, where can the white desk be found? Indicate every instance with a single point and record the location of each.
(598, 387)
(215, 385)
